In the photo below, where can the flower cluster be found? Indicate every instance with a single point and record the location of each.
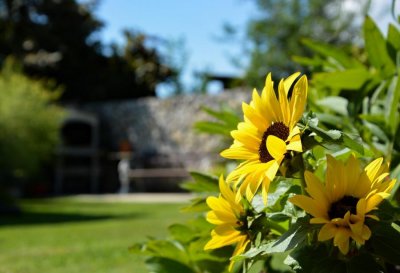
(265, 142)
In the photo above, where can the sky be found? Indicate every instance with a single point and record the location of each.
(199, 23)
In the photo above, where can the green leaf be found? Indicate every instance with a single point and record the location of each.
(203, 183)
(225, 114)
(295, 236)
(181, 233)
(330, 51)
(364, 263)
(212, 128)
(393, 40)
(385, 241)
(350, 79)
(314, 259)
(197, 204)
(168, 249)
(353, 144)
(375, 46)
(165, 265)
(336, 104)
(392, 100)
(396, 174)
(307, 61)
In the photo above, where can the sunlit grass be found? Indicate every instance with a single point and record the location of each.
(62, 235)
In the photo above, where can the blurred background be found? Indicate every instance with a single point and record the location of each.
(100, 97)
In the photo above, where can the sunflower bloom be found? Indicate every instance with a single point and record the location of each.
(348, 196)
(229, 216)
(267, 134)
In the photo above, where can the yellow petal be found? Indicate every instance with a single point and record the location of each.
(366, 233)
(273, 167)
(239, 249)
(374, 201)
(363, 186)
(218, 241)
(221, 207)
(372, 168)
(247, 139)
(376, 218)
(309, 205)
(257, 120)
(298, 100)
(269, 97)
(352, 170)
(261, 107)
(276, 147)
(284, 103)
(295, 145)
(316, 189)
(319, 220)
(214, 219)
(289, 81)
(361, 207)
(229, 195)
(341, 240)
(327, 232)
(240, 153)
(265, 188)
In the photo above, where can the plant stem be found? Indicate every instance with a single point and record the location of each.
(302, 180)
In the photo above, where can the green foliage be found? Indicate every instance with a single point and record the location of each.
(29, 124)
(273, 35)
(363, 95)
(353, 109)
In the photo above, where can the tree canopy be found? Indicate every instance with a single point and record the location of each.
(57, 40)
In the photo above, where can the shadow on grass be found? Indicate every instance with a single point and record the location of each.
(38, 218)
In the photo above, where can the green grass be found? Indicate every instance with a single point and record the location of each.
(65, 235)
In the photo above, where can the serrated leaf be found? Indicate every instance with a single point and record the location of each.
(375, 46)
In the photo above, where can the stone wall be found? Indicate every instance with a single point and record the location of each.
(165, 126)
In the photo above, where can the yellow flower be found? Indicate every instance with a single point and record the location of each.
(229, 216)
(267, 134)
(348, 196)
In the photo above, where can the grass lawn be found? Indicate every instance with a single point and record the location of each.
(65, 235)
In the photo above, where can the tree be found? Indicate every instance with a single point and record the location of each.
(276, 32)
(57, 39)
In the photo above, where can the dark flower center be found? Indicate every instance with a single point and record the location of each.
(278, 129)
(341, 207)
